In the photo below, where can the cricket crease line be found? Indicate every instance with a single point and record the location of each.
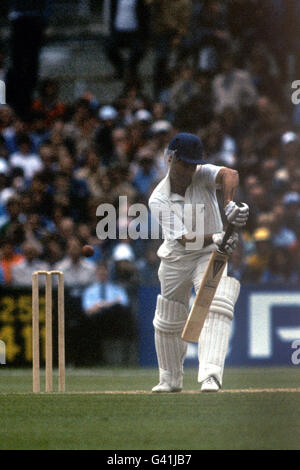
(145, 392)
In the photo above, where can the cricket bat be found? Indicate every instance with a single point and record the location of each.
(206, 291)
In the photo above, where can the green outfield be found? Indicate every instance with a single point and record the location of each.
(112, 409)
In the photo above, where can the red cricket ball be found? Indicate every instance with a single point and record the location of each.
(88, 251)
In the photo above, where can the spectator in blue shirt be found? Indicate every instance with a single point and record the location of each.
(109, 317)
(146, 174)
(103, 294)
(282, 236)
(2, 279)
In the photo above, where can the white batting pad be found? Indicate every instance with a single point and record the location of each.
(213, 342)
(169, 320)
(170, 316)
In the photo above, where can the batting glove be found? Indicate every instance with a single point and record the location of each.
(231, 243)
(236, 215)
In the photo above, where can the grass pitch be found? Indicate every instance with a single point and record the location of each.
(112, 409)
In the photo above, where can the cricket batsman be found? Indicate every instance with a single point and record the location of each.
(192, 181)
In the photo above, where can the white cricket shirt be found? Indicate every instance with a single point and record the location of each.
(167, 208)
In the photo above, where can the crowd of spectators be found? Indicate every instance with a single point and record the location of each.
(224, 77)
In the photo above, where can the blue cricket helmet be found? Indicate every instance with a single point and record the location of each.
(187, 147)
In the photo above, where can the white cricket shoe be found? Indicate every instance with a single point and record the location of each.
(210, 385)
(168, 383)
(164, 387)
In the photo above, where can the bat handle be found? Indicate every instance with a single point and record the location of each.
(228, 233)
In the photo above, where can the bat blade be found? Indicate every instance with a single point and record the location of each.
(204, 297)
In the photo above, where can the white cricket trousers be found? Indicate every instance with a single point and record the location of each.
(178, 275)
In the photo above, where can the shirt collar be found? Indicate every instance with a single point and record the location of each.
(166, 189)
(174, 197)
